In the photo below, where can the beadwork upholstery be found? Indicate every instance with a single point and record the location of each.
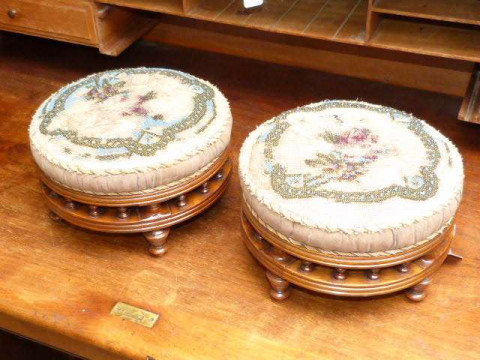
(351, 178)
(130, 130)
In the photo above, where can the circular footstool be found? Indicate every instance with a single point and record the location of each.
(133, 151)
(349, 198)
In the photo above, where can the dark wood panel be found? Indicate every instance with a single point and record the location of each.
(428, 38)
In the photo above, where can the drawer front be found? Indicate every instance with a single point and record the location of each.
(70, 20)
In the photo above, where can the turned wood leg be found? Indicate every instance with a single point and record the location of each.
(157, 241)
(417, 292)
(280, 288)
(373, 274)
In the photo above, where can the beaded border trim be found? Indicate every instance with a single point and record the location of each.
(279, 175)
(134, 146)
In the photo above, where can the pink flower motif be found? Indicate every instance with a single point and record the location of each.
(344, 138)
(138, 110)
(361, 135)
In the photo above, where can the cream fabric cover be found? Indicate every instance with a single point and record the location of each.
(351, 178)
(130, 130)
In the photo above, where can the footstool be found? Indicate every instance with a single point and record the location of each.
(133, 151)
(349, 198)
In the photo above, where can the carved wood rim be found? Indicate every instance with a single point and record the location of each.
(141, 216)
(322, 278)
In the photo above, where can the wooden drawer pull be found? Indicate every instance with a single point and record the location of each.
(12, 13)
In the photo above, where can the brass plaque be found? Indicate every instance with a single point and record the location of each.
(134, 314)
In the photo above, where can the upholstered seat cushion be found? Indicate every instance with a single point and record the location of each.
(351, 178)
(130, 130)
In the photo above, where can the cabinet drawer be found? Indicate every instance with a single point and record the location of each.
(70, 20)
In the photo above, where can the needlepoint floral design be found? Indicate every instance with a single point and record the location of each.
(123, 112)
(338, 164)
(346, 156)
(102, 89)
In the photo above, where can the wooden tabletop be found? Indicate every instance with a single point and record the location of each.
(59, 283)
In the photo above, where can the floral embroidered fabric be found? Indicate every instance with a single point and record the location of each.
(131, 121)
(350, 167)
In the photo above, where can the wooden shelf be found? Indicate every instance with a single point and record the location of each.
(458, 11)
(428, 38)
(344, 21)
(341, 20)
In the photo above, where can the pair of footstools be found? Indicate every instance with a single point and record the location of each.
(340, 197)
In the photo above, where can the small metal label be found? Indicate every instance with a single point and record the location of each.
(134, 314)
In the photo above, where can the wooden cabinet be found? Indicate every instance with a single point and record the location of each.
(68, 20)
(110, 28)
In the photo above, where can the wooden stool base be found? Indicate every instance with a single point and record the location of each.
(152, 214)
(342, 275)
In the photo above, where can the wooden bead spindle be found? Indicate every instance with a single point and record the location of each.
(258, 237)
(122, 213)
(182, 201)
(93, 211)
(54, 216)
(152, 208)
(204, 188)
(404, 268)
(69, 204)
(307, 266)
(373, 274)
(219, 175)
(340, 274)
(428, 259)
(279, 255)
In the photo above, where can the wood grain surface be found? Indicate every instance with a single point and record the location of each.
(59, 283)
